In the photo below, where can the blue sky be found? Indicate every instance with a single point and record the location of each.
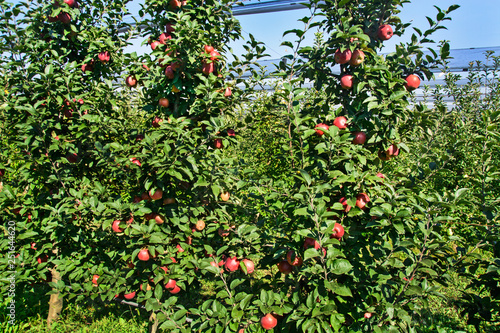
(474, 24)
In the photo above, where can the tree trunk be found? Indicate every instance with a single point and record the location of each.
(56, 302)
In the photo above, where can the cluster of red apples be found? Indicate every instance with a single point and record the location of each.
(357, 57)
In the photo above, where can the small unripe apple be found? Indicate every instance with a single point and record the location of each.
(346, 81)
(131, 81)
(340, 122)
(359, 138)
(342, 57)
(384, 32)
(412, 82)
(323, 126)
(358, 56)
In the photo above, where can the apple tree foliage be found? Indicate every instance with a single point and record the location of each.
(90, 140)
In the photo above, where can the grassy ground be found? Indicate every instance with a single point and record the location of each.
(441, 316)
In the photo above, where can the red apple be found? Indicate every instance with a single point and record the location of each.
(169, 72)
(249, 265)
(143, 255)
(361, 200)
(33, 244)
(71, 3)
(268, 322)
(159, 219)
(200, 225)
(230, 132)
(381, 175)
(214, 55)
(168, 201)
(129, 296)
(131, 81)
(338, 231)
(393, 150)
(64, 17)
(88, 67)
(384, 32)
(43, 258)
(207, 68)
(311, 242)
(2, 171)
(72, 158)
(343, 201)
(340, 122)
(135, 161)
(156, 194)
(342, 57)
(175, 290)
(227, 92)
(171, 284)
(94, 280)
(323, 126)
(284, 267)
(384, 156)
(412, 82)
(176, 65)
(169, 28)
(164, 37)
(358, 56)
(293, 259)
(104, 57)
(156, 122)
(224, 196)
(163, 102)
(218, 143)
(175, 4)
(346, 81)
(359, 138)
(116, 226)
(232, 264)
(367, 315)
(208, 49)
